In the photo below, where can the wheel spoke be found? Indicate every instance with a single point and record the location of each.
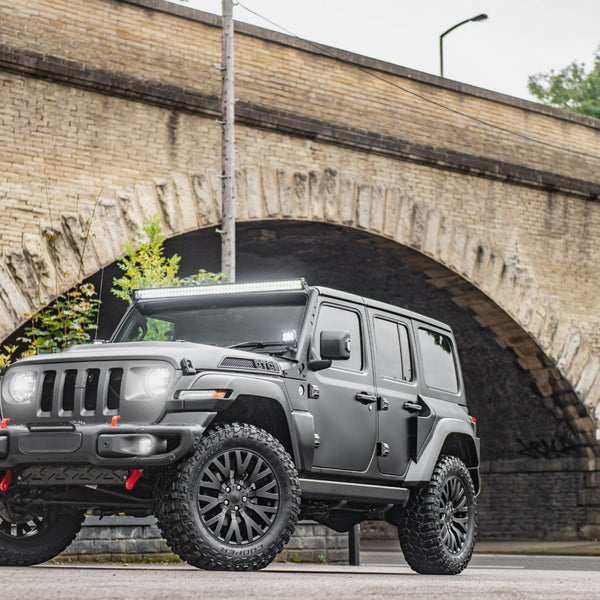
(263, 492)
(266, 513)
(234, 528)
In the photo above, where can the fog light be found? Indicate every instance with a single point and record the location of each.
(145, 446)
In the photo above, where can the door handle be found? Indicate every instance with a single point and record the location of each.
(365, 398)
(412, 407)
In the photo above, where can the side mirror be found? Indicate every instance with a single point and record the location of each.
(335, 345)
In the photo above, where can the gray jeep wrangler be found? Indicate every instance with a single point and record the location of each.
(232, 411)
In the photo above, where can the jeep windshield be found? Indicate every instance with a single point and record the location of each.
(259, 322)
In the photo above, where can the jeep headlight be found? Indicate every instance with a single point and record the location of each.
(149, 382)
(21, 386)
(156, 381)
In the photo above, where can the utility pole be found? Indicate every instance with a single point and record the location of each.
(228, 145)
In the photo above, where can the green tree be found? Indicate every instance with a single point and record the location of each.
(67, 321)
(571, 88)
(145, 265)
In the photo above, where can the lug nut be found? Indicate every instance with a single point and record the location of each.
(239, 487)
(228, 489)
(244, 498)
(226, 503)
(236, 508)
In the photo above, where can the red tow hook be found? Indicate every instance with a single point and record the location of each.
(133, 477)
(4, 423)
(6, 481)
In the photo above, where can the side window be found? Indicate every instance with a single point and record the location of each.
(334, 318)
(438, 361)
(392, 350)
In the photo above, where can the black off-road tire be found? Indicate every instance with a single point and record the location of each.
(233, 504)
(35, 538)
(438, 526)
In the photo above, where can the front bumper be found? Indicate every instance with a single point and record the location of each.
(99, 445)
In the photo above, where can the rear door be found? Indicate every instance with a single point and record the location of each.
(395, 380)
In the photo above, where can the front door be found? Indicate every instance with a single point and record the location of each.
(342, 397)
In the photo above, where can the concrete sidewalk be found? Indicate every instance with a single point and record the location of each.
(566, 548)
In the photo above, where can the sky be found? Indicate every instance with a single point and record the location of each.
(519, 38)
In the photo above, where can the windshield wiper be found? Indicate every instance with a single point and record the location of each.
(258, 344)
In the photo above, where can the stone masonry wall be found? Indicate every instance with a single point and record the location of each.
(138, 539)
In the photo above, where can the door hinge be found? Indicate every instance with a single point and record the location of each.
(383, 449)
(317, 442)
(313, 391)
(382, 403)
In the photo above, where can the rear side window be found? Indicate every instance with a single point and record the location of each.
(393, 350)
(439, 364)
(340, 319)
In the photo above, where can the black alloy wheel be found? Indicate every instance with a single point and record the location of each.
(233, 504)
(30, 537)
(438, 526)
(238, 497)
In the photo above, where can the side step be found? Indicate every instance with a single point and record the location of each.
(319, 489)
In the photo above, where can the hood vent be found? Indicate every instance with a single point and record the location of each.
(254, 364)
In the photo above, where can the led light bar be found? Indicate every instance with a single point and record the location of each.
(287, 285)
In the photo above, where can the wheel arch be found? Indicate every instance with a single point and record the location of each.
(452, 437)
(264, 412)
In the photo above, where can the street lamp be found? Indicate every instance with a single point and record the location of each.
(481, 17)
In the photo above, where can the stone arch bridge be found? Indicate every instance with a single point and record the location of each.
(486, 204)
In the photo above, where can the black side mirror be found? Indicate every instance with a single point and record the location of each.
(335, 345)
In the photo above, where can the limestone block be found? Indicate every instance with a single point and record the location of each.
(270, 191)
(62, 253)
(418, 225)
(300, 194)
(253, 193)
(392, 211)
(110, 216)
(331, 188)
(377, 214)
(147, 200)
(205, 200)
(315, 192)
(471, 253)
(405, 220)
(13, 303)
(431, 233)
(589, 374)
(444, 240)
(23, 274)
(363, 206)
(528, 303)
(133, 215)
(185, 199)
(98, 237)
(41, 262)
(457, 248)
(240, 196)
(285, 193)
(346, 201)
(167, 200)
(77, 235)
(564, 345)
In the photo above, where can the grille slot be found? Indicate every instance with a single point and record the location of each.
(115, 379)
(68, 395)
(90, 400)
(47, 391)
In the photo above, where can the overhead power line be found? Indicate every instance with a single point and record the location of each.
(328, 51)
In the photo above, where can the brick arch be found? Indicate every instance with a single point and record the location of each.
(53, 259)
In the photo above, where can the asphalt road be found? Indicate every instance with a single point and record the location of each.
(490, 576)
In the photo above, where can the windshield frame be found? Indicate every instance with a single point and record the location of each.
(149, 306)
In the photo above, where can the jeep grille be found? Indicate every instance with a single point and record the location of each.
(101, 390)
